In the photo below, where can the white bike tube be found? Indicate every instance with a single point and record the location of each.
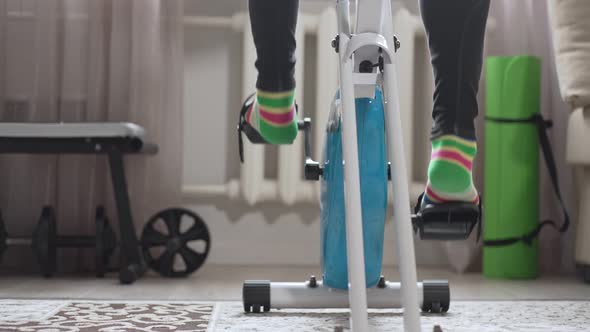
(357, 291)
(352, 196)
(286, 295)
(411, 296)
(369, 16)
(401, 201)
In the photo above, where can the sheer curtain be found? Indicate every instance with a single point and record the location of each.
(522, 27)
(89, 60)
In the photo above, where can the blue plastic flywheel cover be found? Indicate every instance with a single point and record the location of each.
(373, 178)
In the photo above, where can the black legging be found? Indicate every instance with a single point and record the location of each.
(455, 30)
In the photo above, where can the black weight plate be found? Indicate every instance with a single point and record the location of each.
(585, 270)
(175, 243)
(3, 237)
(44, 238)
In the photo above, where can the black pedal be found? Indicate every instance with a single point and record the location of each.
(449, 221)
(313, 171)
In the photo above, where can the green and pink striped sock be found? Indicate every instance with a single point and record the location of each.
(273, 115)
(449, 171)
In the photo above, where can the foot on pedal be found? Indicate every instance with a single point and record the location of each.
(446, 221)
(268, 118)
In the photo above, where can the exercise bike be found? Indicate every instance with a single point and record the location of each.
(362, 151)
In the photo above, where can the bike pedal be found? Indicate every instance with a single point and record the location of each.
(450, 221)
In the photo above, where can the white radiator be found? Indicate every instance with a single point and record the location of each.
(288, 186)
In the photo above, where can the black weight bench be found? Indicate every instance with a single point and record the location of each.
(111, 139)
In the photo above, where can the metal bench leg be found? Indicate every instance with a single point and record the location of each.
(132, 265)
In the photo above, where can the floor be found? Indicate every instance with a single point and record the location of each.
(223, 283)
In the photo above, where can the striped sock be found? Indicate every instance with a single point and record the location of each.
(449, 171)
(273, 116)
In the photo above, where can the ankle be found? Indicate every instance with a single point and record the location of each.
(281, 100)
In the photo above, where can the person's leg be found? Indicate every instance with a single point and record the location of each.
(273, 27)
(455, 30)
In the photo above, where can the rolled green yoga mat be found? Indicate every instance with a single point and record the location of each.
(511, 196)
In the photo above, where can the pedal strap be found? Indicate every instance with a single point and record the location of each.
(243, 126)
(542, 127)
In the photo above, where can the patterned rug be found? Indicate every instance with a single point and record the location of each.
(95, 316)
(103, 316)
(464, 316)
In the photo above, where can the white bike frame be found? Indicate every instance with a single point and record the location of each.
(372, 40)
(373, 37)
